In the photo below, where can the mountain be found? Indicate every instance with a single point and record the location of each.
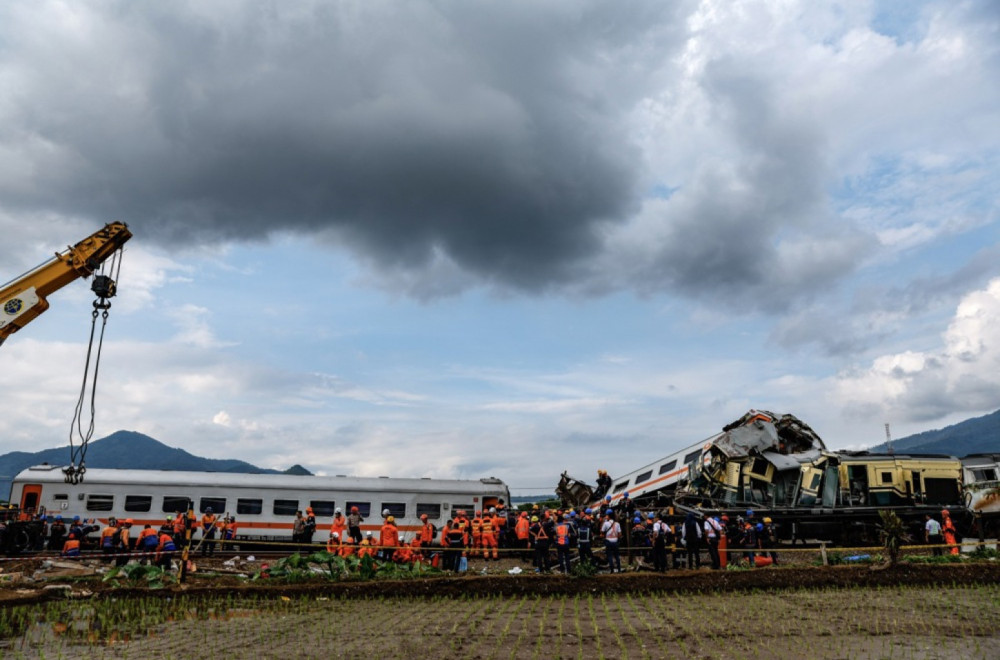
(979, 435)
(130, 450)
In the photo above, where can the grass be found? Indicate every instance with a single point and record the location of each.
(944, 621)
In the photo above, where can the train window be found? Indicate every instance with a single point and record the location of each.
(432, 511)
(643, 477)
(667, 467)
(692, 457)
(984, 474)
(469, 509)
(396, 509)
(619, 487)
(175, 504)
(285, 507)
(322, 508)
(216, 504)
(60, 496)
(364, 508)
(100, 502)
(887, 477)
(140, 503)
(248, 507)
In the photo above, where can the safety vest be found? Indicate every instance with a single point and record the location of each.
(339, 525)
(148, 538)
(208, 521)
(521, 528)
(427, 534)
(583, 531)
(477, 526)
(71, 548)
(108, 537)
(123, 537)
(562, 534)
(166, 544)
(487, 526)
(389, 537)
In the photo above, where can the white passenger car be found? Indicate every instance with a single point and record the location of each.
(264, 505)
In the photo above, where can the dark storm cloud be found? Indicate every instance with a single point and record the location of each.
(494, 134)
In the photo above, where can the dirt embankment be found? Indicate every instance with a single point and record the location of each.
(767, 579)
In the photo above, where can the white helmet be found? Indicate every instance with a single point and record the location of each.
(493, 509)
(335, 535)
(337, 510)
(385, 512)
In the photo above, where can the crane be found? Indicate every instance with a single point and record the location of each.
(24, 298)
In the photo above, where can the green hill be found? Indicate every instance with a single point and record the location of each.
(980, 435)
(129, 450)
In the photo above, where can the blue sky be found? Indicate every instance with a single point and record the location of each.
(471, 239)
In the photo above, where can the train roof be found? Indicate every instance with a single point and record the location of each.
(865, 455)
(179, 478)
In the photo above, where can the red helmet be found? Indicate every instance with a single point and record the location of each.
(354, 509)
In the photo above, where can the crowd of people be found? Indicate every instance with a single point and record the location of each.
(550, 538)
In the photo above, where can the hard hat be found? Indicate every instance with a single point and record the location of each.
(354, 509)
(572, 514)
(128, 521)
(169, 518)
(534, 518)
(726, 518)
(385, 512)
(208, 509)
(767, 521)
(637, 519)
(337, 510)
(423, 516)
(368, 533)
(335, 535)
(524, 514)
(479, 513)
(625, 494)
(59, 518)
(650, 515)
(944, 512)
(390, 519)
(565, 516)
(609, 512)
(588, 511)
(760, 527)
(749, 513)
(76, 518)
(309, 509)
(493, 509)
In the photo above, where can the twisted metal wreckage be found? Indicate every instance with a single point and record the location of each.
(779, 467)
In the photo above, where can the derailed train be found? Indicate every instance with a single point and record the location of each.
(779, 467)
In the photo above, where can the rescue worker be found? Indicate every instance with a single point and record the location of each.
(349, 548)
(749, 541)
(179, 531)
(489, 538)
(949, 531)
(165, 548)
(932, 535)
(108, 539)
(476, 529)
(339, 524)
(333, 543)
(457, 542)
(208, 531)
(691, 539)
(659, 535)
(367, 546)
(564, 532)
(231, 529)
(427, 531)
(388, 538)
(57, 534)
(611, 530)
(124, 543)
(540, 542)
(465, 526)
(71, 547)
(713, 531)
(603, 484)
(769, 539)
(168, 526)
(584, 534)
(147, 542)
(522, 533)
(354, 521)
(298, 528)
(498, 516)
(310, 526)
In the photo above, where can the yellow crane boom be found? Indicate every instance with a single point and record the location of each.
(24, 298)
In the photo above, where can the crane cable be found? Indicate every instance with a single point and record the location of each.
(104, 286)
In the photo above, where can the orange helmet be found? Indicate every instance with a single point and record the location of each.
(423, 516)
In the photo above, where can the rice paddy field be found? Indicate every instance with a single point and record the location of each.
(943, 621)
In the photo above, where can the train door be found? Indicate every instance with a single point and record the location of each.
(918, 488)
(31, 495)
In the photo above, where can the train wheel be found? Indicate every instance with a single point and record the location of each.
(21, 541)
